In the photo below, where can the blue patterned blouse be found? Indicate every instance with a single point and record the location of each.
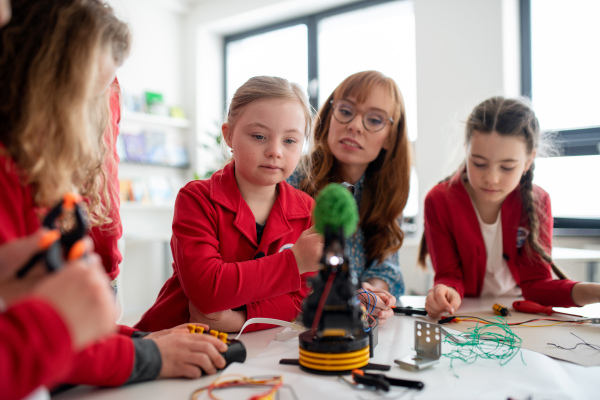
(388, 270)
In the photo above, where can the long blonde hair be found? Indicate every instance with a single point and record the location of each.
(387, 177)
(52, 125)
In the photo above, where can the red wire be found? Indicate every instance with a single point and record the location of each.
(369, 315)
(322, 300)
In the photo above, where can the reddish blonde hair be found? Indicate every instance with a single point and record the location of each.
(387, 178)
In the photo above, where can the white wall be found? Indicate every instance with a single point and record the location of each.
(156, 63)
(463, 51)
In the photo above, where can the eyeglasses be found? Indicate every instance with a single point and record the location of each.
(373, 121)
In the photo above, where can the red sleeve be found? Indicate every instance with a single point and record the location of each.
(108, 362)
(536, 279)
(441, 244)
(214, 285)
(285, 307)
(35, 348)
(126, 330)
(105, 237)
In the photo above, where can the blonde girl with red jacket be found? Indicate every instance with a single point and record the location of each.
(57, 63)
(242, 240)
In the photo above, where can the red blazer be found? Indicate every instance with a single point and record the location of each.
(35, 348)
(458, 251)
(217, 263)
(106, 363)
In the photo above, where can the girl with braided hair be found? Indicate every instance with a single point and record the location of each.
(488, 228)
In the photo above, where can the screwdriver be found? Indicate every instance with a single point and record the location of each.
(531, 307)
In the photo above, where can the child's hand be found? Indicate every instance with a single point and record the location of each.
(224, 321)
(189, 355)
(183, 328)
(442, 298)
(13, 255)
(383, 305)
(81, 294)
(585, 293)
(308, 250)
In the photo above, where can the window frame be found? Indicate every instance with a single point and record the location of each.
(571, 142)
(311, 21)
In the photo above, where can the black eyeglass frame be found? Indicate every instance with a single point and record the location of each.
(332, 103)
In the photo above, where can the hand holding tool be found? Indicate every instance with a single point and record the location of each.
(56, 247)
(527, 306)
(236, 351)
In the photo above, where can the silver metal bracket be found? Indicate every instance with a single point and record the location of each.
(428, 345)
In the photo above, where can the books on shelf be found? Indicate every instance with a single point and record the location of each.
(153, 190)
(152, 147)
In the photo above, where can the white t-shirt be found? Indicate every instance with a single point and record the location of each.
(498, 279)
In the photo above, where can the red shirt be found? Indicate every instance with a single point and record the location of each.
(217, 263)
(458, 252)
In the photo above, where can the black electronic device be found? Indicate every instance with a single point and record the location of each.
(339, 336)
(236, 351)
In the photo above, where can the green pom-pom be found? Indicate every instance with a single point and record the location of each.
(335, 207)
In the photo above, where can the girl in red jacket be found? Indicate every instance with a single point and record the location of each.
(59, 315)
(57, 61)
(488, 228)
(241, 240)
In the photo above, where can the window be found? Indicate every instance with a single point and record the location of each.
(560, 74)
(254, 56)
(318, 51)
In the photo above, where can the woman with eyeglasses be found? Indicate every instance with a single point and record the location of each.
(360, 137)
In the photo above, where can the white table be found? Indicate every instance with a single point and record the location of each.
(532, 376)
(590, 257)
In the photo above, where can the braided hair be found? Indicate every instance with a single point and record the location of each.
(511, 117)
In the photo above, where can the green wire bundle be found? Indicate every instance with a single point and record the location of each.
(481, 343)
(335, 207)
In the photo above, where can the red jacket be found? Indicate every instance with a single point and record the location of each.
(107, 363)
(217, 263)
(105, 237)
(458, 251)
(35, 348)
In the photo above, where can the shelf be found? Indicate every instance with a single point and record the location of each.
(133, 206)
(147, 164)
(151, 119)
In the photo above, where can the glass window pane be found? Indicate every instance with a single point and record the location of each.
(254, 56)
(567, 181)
(565, 37)
(389, 47)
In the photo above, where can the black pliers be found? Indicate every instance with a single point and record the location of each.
(383, 382)
(57, 246)
(409, 310)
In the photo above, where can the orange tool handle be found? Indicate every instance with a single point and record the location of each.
(77, 251)
(531, 307)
